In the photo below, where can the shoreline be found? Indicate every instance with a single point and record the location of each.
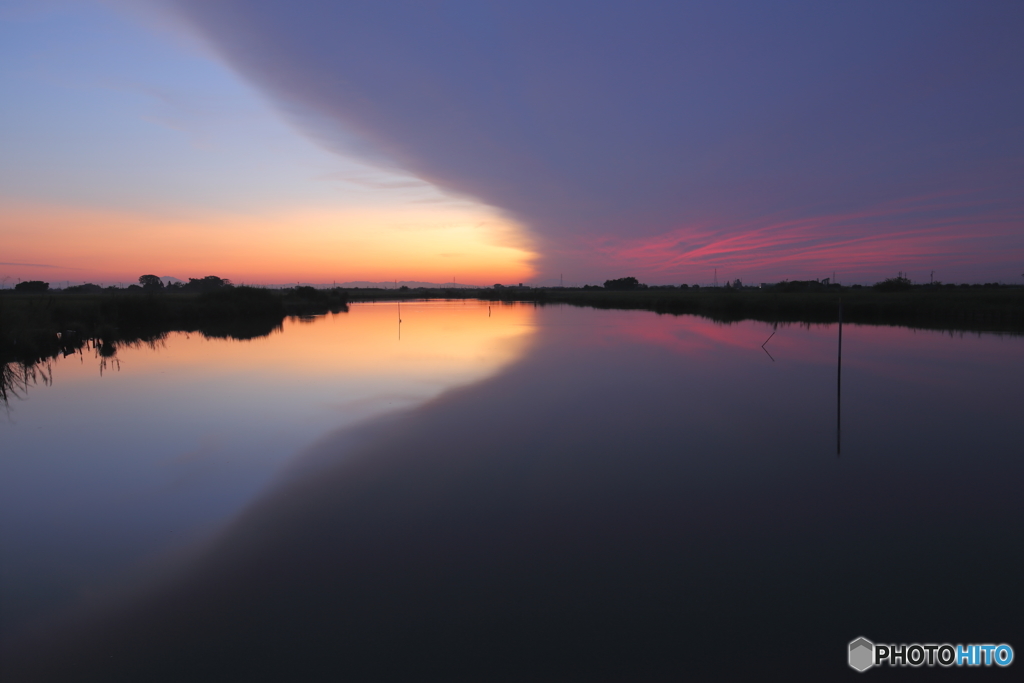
(942, 307)
(41, 325)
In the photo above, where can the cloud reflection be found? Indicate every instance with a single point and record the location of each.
(103, 478)
(604, 511)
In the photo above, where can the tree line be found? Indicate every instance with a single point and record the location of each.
(146, 282)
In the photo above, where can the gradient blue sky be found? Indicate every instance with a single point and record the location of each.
(128, 147)
(514, 140)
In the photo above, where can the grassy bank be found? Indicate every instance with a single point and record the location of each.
(997, 310)
(35, 326)
(978, 308)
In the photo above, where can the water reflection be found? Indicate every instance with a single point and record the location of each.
(110, 460)
(15, 380)
(639, 497)
(839, 385)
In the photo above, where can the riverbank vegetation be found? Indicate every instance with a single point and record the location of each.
(983, 308)
(38, 323)
(979, 309)
(42, 323)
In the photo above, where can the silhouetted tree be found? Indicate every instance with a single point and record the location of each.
(206, 284)
(151, 282)
(309, 293)
(893, 284)
(32, 286)
(622, 283)
(87, 287)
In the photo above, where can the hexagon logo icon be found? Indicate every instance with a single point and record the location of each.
(862, 654)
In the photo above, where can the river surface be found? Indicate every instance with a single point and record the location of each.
(510, 492)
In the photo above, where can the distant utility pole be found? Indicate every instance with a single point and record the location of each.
(561, 281)
(716, 277)
(931, 278)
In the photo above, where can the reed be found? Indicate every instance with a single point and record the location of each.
(39, 325)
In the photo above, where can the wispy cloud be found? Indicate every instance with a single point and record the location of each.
(920, 232)
(38, 265)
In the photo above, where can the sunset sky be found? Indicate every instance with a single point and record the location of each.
(270, 142)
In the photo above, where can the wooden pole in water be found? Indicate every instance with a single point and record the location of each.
(839, 382)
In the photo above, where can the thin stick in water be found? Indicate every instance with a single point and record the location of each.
(839, 383)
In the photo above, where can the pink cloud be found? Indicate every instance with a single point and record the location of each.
(950, 234)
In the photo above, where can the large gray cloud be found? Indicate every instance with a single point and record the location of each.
(631, 119)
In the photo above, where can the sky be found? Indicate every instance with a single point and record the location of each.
(273, 141)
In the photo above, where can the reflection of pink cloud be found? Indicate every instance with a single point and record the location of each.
(684, 334)
(895, 352)
(946, 233)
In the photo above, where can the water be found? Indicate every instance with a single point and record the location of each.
(544, 493)
(119, 465)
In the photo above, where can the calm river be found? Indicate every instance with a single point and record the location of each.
(492, 492)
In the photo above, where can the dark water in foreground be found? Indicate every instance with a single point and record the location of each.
(625, 497)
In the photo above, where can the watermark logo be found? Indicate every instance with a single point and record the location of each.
(863, 654)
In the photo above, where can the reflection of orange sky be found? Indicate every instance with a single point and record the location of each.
(446, 342)
(431, 243)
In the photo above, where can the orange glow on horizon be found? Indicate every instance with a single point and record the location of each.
(476, 244)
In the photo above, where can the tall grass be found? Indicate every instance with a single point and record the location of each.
(34, 326)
